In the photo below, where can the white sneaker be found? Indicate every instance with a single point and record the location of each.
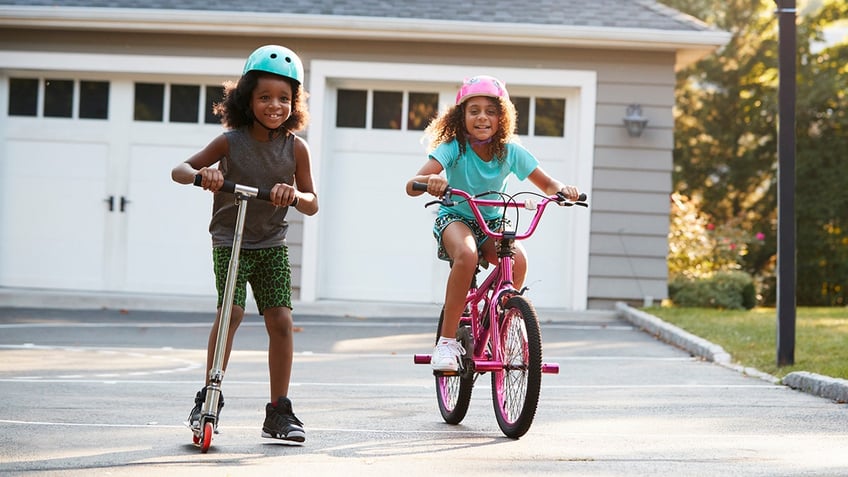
(446, 355)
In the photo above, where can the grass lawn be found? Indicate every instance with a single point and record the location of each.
(821, 336)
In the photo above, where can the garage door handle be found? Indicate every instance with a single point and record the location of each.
(124, 202)
(111, 201)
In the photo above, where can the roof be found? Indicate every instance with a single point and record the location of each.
(628, 24)
(598, 13)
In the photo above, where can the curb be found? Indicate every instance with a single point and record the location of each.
(824, 386)
(673, 335)
(815, 384)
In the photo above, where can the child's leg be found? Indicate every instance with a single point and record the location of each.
(278, 322)
(519, 266)
(461, 246)
(236, 317)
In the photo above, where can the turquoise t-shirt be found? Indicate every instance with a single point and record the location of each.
(472, 174)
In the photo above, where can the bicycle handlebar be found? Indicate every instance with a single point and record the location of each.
(559, 198)
(475, 202)
(232, 188)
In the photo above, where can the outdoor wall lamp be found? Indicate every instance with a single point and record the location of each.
(634, 122)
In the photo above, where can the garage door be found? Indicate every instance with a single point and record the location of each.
(86, 200)
(375, 242)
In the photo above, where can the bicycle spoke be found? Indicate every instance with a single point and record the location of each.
(516, 387)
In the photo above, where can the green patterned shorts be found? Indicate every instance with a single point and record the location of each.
(444, 220)
(266, 269)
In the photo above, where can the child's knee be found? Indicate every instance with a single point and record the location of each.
(278, 321)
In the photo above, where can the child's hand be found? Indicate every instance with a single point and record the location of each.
(436, 185)
(570, 192)
(212, 179)
(283, 195)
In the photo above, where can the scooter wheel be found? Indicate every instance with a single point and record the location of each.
(195, 438)
(207, 437)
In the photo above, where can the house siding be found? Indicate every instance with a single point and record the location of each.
(632, 176)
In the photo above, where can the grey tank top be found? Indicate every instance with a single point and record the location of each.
(258, 164)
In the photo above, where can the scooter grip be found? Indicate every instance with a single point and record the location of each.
(264, 194)
(419, 186)
(229, 186)
(582, 197)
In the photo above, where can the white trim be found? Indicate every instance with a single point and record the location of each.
(322, 71)
(111, 63)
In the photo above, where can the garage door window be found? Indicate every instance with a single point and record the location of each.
(185, 103)
(58, 98)
(182, 102)
(542, 116)
(23, 97)
(386, 109)
(214, 95)
(94, 100)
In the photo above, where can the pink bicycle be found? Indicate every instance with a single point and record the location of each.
(499, 328)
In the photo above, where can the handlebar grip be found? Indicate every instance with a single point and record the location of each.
(582, 197)
(230, 187)
(419, 186)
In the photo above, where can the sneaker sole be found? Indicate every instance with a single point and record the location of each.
(453, 367)
(292, 437)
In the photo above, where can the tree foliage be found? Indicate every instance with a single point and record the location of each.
(725, 154)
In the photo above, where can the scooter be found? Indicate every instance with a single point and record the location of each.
(202, 435)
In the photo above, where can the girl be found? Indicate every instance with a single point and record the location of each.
(261, 112)
(473, 142)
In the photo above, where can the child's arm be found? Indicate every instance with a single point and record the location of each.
(201, 162)
(551, 186)
(307, 198)
(430, 174)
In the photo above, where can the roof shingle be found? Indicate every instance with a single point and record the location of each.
(631, 14)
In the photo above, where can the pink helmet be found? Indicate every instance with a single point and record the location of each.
(481, 85)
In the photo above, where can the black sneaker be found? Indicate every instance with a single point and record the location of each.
(194, 416)
(281, 423)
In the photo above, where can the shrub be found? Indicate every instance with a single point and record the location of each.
(728, 289)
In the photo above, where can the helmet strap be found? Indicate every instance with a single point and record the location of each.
(481, 143)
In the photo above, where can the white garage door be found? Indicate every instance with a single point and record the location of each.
(86, 200)
(375, 242)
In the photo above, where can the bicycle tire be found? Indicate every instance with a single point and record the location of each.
(515, 390)
(453, 392)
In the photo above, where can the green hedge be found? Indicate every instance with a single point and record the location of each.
(732, 290)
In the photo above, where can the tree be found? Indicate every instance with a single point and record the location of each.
(725, 154)
(822, 141)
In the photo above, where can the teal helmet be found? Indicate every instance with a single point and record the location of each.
(275, 59)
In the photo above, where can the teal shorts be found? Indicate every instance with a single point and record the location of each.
(443, 221)
(266, 269)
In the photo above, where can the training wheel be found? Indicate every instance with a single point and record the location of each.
(207, 437)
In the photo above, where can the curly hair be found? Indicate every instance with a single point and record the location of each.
(235, 110)
(450, 125)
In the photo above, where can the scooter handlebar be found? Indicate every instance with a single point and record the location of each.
(231, 187)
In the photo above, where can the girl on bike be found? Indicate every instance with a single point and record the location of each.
(474, 144)
(261, 112)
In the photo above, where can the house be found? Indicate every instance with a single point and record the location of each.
(98, 103)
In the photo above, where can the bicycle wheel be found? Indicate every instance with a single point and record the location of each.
(453, 392)
(515, 390)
